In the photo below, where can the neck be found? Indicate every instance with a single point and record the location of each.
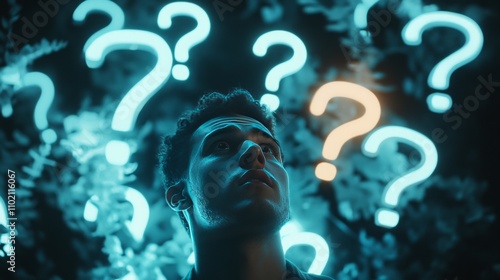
(240, 258)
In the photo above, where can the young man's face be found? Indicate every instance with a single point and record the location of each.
(236, 178)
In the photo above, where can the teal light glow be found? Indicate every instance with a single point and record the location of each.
(4, 238)
(439, 102)
(189, 40)
(134, 100)
(271, 101)
(102, 6)
(439, 77)
(140, 218)
(420, 172)
(288, 67)
(46, 86)
(361, 12)
(117, 152)
(322, 251)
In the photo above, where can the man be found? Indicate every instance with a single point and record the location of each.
(224, 175)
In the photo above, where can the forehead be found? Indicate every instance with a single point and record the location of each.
(241, 122)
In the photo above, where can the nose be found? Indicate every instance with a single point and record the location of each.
(252, 157)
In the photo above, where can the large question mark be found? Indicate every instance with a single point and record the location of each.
(439, 78)
(118, 152)
(360, 13)
(46, 85)
(140, 218)
(284, 69)
(199, 34)
(386, 217)
(340, 135)
(103, 6)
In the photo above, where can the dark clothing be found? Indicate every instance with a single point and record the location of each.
(292, 273)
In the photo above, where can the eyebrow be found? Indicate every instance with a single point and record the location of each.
(232, 129)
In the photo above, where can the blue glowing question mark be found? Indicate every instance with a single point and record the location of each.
(199, 34)
(386, 217)
(140, 218)
(118, 152)
(439, 78)
(46, 85)
(292, 234)
(360, 13)
(103, 6)
(284, 69)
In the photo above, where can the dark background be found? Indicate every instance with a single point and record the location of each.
(448, 227)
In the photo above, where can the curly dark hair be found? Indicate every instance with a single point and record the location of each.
(172, 154)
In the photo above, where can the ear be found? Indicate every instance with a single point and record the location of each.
(177, 196)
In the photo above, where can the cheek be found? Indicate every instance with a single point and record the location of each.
(282, 177)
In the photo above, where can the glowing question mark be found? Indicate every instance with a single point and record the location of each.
(360, 13)
(387, 217)
(139, 221)
(118, 152)
(46, 85)
(278, 72)
(339, 136)
(103, 6)
(291, 234)
(439, 77)
(199, 34)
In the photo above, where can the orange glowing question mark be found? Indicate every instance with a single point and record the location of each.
(340, 135)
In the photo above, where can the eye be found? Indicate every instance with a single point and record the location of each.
(221, 146)
(269, 149)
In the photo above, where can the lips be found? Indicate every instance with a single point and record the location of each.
(255, 174)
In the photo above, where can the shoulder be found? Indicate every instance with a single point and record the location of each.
(294, 273)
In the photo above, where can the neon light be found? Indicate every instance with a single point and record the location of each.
(387, 217)
(322, 251)
(103, 6)
(140, 218)
(439, 78)
(340, 135)
(284, 69)
(199, 34)
(134, 100)
(43, 81)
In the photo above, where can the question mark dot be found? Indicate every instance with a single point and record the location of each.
(325, 171)
(439, 102)
(49, 136)
(117, 152)
(90, 212)
(386, 218)
(271, 101)
(180, 72)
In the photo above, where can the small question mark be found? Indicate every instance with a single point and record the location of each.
(340, 135)
(292, 235)
(140, 218)
(387, 217)
(104, 6)
(46, 85)
(278, 72)
(199, 34)
(439, 78)
(118, 152)
(360, 13)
